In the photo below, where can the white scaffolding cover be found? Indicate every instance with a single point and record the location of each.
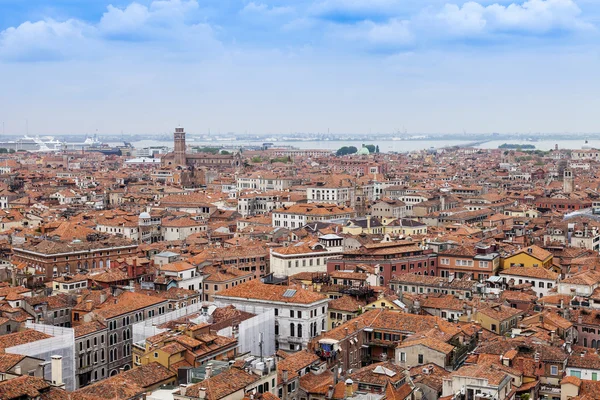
(62, 343)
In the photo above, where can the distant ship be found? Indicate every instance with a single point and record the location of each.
(34, 144)
(89, 142)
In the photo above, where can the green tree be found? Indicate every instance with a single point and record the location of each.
(3, 150)
(371, 148)
(346, 150)
(377, 149)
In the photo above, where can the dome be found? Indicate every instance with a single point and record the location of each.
(363, 152)
(145, 215)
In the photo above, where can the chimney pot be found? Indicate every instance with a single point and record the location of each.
(56, 365)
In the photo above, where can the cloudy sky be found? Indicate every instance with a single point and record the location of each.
(275, 66)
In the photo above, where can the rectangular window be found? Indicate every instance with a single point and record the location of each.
(554, 370)
(576, 374)
(444, 261)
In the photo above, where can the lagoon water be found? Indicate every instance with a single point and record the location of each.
(386, 145)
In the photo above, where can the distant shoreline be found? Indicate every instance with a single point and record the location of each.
(517, 146)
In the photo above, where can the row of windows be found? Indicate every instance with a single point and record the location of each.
(298, 314)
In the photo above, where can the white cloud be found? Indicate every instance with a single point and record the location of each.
(44, 40)
(253, 9)
(174, 23)
(532, 16)
(161, 18)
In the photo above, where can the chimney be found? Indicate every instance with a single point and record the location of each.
(336, 373)
(202, 393)
(89, 304)
(368, 222)
(348, 390)
(56, 365)
(183, 389)
(552, 334)
(208, 372)
(79, 298)
(330, 392)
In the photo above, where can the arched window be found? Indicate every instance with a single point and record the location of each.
(322, 324)
(292, 330)
(299, 330)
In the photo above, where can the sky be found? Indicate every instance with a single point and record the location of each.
(277, 67)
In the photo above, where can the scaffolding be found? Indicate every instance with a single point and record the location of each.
(62, 343)
(149, 327)
(249, 332)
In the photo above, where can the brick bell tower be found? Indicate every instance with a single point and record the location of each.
(179, 146)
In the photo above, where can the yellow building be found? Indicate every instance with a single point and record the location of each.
(191, 347)
(532, 256)
(363, 226)
(385, 302)
(499, 319)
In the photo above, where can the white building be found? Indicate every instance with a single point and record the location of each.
(479, 381)
(299, 215)
(584, 364)
(265, 182)
(581, 284)
(340, 195)
(121, 225)
(179, 228)
(67, 197)
(305, 257)
(250, 204)
(300, 315)
(187, 275)
(541, 279)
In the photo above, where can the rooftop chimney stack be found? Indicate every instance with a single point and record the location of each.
(56, 365)
(348, 389)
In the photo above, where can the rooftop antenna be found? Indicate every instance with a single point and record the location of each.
(260, 345)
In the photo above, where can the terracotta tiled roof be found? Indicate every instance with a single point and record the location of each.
(23, 387)
(7, 361)
(126, 303)
(223, 384)
(257, 290)
(21, 337)
(531, 272)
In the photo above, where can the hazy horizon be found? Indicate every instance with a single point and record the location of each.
(353, 66)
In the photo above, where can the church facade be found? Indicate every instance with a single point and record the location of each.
(181, 158)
